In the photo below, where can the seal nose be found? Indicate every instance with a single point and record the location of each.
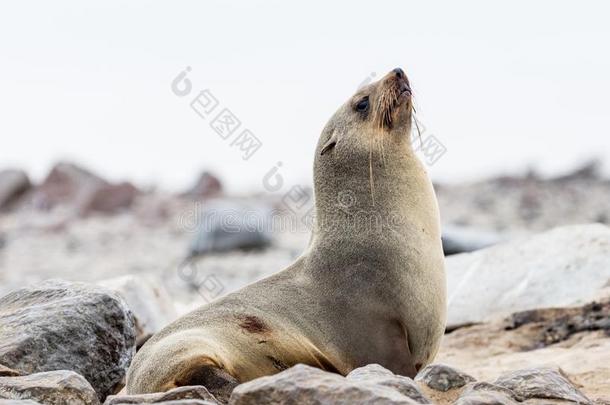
(399, 73)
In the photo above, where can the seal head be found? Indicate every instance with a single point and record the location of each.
(381, 107)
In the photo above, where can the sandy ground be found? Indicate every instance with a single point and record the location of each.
(487, 350)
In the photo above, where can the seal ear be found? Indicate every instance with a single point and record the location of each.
(329, 144)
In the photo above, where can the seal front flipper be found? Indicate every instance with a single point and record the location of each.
(218, 381)
(330, 143)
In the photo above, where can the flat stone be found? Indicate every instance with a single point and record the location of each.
(484, 393)
(50, 388)
(543, 383)
(179, 402)
(190, 393)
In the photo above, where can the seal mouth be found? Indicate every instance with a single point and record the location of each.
(405, 89)
(396, 91)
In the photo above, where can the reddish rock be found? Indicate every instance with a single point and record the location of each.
(206, 186)
(65, 183)
(13, 184)
(109, 198)
(69, 184)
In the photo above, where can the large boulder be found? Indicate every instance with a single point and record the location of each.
(58, 325)
(565, 266)
(305, 385)
(50, 388)
(148, 300)
(13, 183)
(223, 226)
(177, 394)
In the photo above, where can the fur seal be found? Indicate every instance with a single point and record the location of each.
(370, 287)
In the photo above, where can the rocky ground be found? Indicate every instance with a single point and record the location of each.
(529, 316)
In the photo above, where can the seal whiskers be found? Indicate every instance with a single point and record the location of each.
(371, 181)
(421, 144)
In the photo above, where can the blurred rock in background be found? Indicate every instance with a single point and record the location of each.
(13, 184)
(81, 190)
(207, 186)
(517, 205)
(226, 225)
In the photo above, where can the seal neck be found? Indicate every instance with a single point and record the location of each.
(352, 208)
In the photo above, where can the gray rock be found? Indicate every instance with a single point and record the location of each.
(148, 300)
(177, 394)
(563, 267)
(228, 225)
(305, 385)
(544, 383)
(50, 388)
(484, 393)
(18, 402)
(176, 402)
(441, 377)
(376, 374)
(58, 325)
(13, 183)
(588, 170)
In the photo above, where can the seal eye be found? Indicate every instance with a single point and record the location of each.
(363, 105)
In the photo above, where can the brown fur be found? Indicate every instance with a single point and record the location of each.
(370, 287)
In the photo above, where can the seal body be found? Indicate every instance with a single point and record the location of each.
(370, 287)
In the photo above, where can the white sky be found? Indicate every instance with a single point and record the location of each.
(503, 87)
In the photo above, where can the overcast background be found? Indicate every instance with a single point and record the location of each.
(524, 84)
